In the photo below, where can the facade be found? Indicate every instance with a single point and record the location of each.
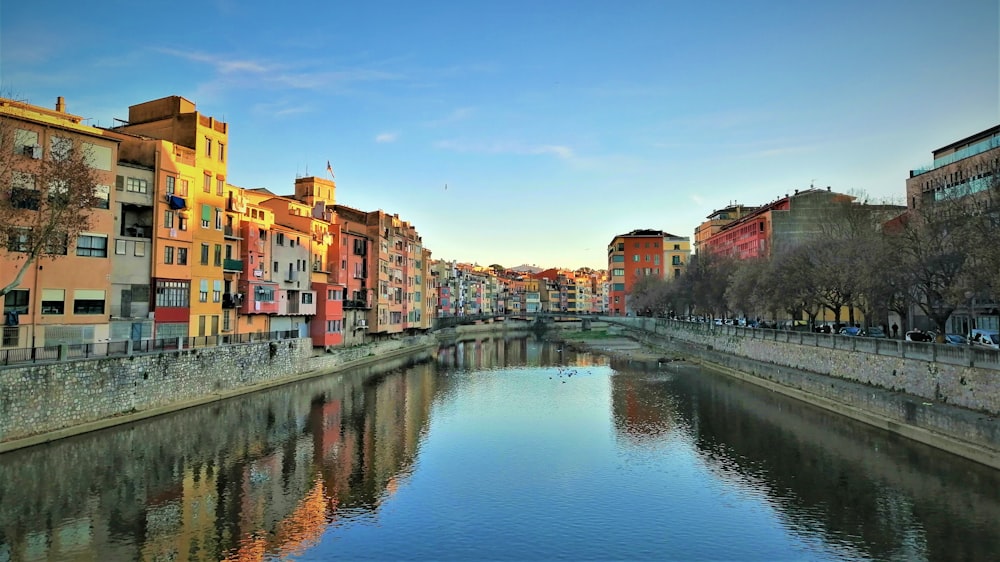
(717, 221)
(188, 152)
(640, 253)
(962, 171)
(964, 167)
(131, 262)
(64, 296)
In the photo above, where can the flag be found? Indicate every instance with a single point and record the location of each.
(329, 168)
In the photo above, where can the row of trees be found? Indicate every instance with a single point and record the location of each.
(864, 259)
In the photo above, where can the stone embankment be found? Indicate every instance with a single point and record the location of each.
(43, 402)
(918, 399)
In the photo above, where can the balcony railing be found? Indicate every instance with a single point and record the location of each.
(232, 265)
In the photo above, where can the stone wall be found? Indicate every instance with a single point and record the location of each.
(942, 405)
(41, 402)
(37, 399)
(924, 371)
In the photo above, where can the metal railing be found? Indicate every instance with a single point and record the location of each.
(49, 353)
(962, 355)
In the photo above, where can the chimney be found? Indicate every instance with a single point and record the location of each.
(61, 104)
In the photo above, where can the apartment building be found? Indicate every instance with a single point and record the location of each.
(640, 253)
(132, 260)
(188, 153)
(63, 296)
(717, 221)
(959, 169)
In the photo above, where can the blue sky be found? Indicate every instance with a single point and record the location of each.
(555, 124)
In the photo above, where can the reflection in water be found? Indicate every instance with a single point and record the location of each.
(506, 448)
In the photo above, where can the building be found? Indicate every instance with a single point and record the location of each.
(964, 167)
(641, 253)
(717, 221)
(187, 151)
(63, 296)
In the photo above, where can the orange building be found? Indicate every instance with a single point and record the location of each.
(63, 297)
(642, 253)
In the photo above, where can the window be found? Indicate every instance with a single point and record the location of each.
(182, 256)
(618, 272)
(182, 223)
(183, 191)
(57, 244)
(140, 249)
(11, 335)
(208, 146)
(98, 157)
(24, 194)
(173, 293)
(92, 245)
(617, 259)
(103, 195)
(218, 255)
(656, 259)
(216, 291)
(676, 260)
(635, 258)
(171, 185)
(307, 298)
(88, 301)
(26, 143)
(206, 185)
(677, 273)
(222, 152)
(206, 215)
(218, 219)
(121, 247)
(168, 254)
(264, 294)
(137, 185)
(204, 254)
(226, 324)
(168, 219)
(220, 185)
(334, 326)
(19, 239)
(203, 291)
(677, 246)
(53, 301)
(618, 287)
(280, 239)
(60, 148)
(16, 301)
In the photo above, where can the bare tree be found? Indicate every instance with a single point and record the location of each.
(45, 203)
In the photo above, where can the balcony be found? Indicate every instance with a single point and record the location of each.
(231, 232)
(232, 300)
(232, 265)
(357, 304)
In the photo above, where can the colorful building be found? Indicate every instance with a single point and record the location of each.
(64, 295)
(641, 253)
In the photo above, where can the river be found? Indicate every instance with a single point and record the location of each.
(498, 449)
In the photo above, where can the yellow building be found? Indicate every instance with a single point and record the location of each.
(190, 162)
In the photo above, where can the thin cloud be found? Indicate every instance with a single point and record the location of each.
(563, 152)
(239, 72)
(457, 115)
(386, 137)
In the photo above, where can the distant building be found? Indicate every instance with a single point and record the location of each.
(641, 253)
(964, 167)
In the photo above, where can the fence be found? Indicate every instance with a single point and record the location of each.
(961, 355)
(131, 347)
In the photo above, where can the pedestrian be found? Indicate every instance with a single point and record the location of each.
(895, 330)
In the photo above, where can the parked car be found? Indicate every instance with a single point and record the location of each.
(955, 339)
(988, 338)
(917, 335)
(876, 332)
(852, 331)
